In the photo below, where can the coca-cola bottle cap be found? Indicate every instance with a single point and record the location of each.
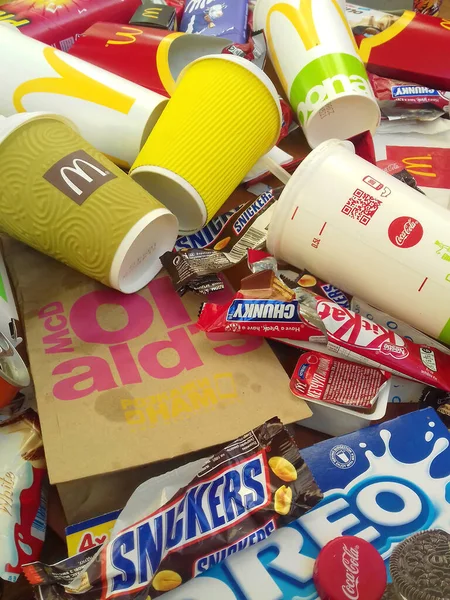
(349, 568)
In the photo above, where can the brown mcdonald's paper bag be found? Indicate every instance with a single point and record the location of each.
(124, 381)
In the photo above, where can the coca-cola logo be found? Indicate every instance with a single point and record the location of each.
(395, 351)
(350, 561)
(405, 232)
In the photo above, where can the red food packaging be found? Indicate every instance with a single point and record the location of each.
(333, 380)
(398, 51)
(59, 22)
(23, 493)
(137, 53)
(152, 57)
(315, 319)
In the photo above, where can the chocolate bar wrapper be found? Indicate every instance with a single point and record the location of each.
(427, 7)
(401, 100)
(195, 269)
(236, 231)
(59, 22)
(226, 18)
(300, 281)
(315, 319)
(332, 380)
(246, 491)
(23, 493)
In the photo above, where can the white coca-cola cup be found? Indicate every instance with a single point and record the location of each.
(360, 229)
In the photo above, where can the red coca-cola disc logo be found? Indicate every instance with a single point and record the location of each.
(405, 232)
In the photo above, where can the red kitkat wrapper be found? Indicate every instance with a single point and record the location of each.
(315, 319)
(59, 22)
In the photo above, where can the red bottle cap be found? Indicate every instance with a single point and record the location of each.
(349, 568)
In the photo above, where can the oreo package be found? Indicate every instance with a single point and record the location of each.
(240, 496)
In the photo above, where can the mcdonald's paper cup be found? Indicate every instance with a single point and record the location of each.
(61, 196)
(147, 56)
(112, 114)
(224, 115)
(367, 233)
(316, 58)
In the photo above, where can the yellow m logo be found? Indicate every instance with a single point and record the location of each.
(445, 23)
(151, 13)
(130, 33)
(9, 18)
(303, 21)
(412, 165)
(71, 83)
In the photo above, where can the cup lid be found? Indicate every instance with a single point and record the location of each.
(349, 567)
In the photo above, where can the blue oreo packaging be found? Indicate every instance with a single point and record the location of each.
(240, 496)
(383, 484)
(218, 18)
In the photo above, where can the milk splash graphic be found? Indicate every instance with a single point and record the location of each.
(378, 498)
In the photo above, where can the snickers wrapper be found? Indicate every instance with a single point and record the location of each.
(59, 22)
(240, 496)
(414, 48)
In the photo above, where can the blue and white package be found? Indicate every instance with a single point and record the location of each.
(383, 484)
(218, 18)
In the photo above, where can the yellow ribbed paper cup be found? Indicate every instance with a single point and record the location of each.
(66, 199)
(223, 116)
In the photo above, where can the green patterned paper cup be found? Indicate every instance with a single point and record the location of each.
(66, 199)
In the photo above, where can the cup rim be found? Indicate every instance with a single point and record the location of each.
(283, 205)
(189, 188)
(259, 73)
(126, 244)
(374, 105)
(13, 122)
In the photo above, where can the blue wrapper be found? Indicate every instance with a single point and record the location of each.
(218, 18)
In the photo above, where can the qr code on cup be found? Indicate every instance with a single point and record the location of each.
(361, 206)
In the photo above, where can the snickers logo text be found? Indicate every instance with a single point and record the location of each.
(135, 554)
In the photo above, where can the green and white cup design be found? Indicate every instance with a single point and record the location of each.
(316, 58)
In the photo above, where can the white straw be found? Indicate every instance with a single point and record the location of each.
(275, 169)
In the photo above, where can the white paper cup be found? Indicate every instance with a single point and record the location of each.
(316, 58)
(364, 231)
(111, 113)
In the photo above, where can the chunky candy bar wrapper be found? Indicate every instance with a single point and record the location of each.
(23, 493)
(240, 496)
(314, 319)
(318, 376)
(408, 95)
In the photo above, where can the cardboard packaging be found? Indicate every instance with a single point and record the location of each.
(382, 484)
(127, 381)
(152, 15)
(59, 22)
(394, 46)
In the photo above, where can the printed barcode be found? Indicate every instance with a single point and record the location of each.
(40, 521)
(251, 239)
(66, 44)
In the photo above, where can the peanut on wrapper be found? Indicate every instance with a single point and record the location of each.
(241, 495)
